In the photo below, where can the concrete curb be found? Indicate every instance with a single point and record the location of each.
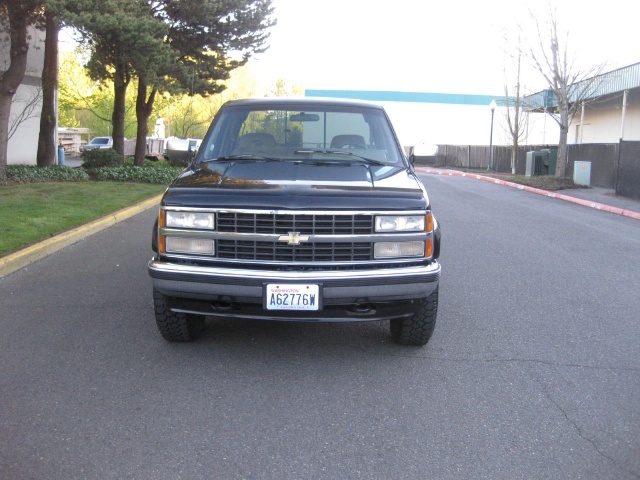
(546, 193)
(22, 258)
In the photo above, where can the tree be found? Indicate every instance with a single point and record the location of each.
(200, 36)
(515, 114)
(115, 31)
(167, 45)
(47, 141)
(83, 102)
(187, 115)
(570, 85)
(15, 18)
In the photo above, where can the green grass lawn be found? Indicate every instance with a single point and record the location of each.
(30, 213)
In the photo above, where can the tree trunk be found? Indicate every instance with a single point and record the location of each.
(514, 156)
(47, 142)
(11, 79)
(117, 117)
(144, 108)
(120, 83)
(561, 165)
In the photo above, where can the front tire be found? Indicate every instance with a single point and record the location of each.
(173, 326)
(417, 329)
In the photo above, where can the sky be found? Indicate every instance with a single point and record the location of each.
(426, 46)
(439, 47)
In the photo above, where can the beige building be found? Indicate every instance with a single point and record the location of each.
(609, 113)
(24, 125)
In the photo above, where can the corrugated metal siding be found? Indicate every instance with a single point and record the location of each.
(616, 81)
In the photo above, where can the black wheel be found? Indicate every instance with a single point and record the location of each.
(417, 329)
(176, 327)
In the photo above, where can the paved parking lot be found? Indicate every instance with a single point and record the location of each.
(532, 371)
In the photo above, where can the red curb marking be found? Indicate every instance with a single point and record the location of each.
(579, 201)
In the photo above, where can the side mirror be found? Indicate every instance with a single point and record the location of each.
(411, 156)
(192, 150)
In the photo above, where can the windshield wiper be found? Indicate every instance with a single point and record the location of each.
(245, 156)
(342, 152)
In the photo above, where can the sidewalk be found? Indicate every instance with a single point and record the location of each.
(594, 197)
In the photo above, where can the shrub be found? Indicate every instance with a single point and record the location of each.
(178, 163)
(158, 172)
(149, 163)
(129, 173)
(101, 157)
(545, 182)
(34, 174)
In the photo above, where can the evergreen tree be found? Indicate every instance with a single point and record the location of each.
(47, 141)
(116, 32)
(168, 45)
(201, 36)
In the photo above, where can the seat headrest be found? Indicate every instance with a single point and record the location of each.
(354, 141)
(257, 140)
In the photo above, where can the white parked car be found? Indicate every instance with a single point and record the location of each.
(423, 150)
(97, 142)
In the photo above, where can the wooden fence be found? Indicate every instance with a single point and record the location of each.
(613, 165)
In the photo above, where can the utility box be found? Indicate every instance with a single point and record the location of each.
(582, 173)
(541, 162)
(533, 164)
(549, 161)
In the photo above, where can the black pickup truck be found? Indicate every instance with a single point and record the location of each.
(297, 210)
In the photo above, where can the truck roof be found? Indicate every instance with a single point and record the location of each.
(293, 102)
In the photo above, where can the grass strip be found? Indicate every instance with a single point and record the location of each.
(31, 213)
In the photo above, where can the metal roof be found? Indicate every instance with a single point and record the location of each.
(616, 81)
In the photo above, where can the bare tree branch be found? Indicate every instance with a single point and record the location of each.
(30, 110)
(516, 114)
(571, 86)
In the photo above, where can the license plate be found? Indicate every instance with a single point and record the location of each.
(292, 297)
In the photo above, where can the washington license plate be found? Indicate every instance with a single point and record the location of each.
(292, 297)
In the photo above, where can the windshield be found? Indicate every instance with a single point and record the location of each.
(327, 133)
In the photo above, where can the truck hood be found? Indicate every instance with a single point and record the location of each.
(291, 185)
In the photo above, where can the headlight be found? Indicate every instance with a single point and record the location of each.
(400, 223)
(193, 220)
(194, 246)
(398, 249)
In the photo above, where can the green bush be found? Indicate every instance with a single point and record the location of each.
(178, 163)
(101, 157)
(129, 173)
(156, 172)
(34, 174)
(149, 163)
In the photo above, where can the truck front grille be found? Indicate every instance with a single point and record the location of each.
(237, 222)
(308, 252)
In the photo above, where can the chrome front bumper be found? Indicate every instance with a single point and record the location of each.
(337, 287)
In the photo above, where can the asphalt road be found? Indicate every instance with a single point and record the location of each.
(533, 371)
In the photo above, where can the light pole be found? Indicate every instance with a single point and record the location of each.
(492, 106)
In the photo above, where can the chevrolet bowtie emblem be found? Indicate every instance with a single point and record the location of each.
(293, 238)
